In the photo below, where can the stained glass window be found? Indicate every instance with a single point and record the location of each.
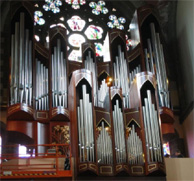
(166, 149)
(90, 20)
(37, 38)
(76, 23)
(38, 19)
(52, 5)
(80, 26)
(47, 39)
(99, 48)
(76, 3)
(94, 32)
(62, 18)
(75, 55)
(128, 43)
(59, 24)
(76, 40)
(116, 23)
(98, 7)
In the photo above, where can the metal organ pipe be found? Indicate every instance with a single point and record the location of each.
(102, 93)
(90, 65)
(12, 69)
(85, 128)
(104, 147)
(59, 76)
(121, 76)
(26, 66)
(42, 102)
(150, 56)
(152, 131)
(134, 148)
(146, 60)
(21, 64)
(119, 134)
(133, 73)
(21, 59)
(156, 55)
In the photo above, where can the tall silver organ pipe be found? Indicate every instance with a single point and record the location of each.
(102, 93)
(119, 134)
(59, 77)
(154, 55)
(104, 147)
(134, 148)
(90, 65)
(21, 64)
(121, 76)
(152, 131)
(149, 57)
(133, 73)
(42, 93)
(85, 128)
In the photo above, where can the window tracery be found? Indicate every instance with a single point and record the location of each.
(78, 23)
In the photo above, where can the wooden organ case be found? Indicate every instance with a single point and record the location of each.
(113, 129)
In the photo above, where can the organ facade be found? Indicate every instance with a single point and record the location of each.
(104, 116)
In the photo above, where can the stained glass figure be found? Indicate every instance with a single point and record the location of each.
(99, 48)
(76, 40)
(128, 43)
(52, 5)
(38, 19)
(76, 3)
(116, 23)
(75, 55)
(93, 32)
(76, 23)
(98, 7)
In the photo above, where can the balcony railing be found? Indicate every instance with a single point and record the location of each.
(53, 160)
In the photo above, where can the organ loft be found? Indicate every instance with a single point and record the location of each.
(88, 91)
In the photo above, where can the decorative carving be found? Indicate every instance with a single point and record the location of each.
(61, 135)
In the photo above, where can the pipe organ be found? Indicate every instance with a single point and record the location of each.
(104, 146)
(120, 76)
(102, 94)
(42, 91)
(133, 73)
(154, 58)
(112, 129)
(85, 128)
(59, 77)
(120, 146)
(134, 147)
(90, 65)
(152, 134)
(21, 64)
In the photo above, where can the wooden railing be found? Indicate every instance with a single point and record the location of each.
(53, 160)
